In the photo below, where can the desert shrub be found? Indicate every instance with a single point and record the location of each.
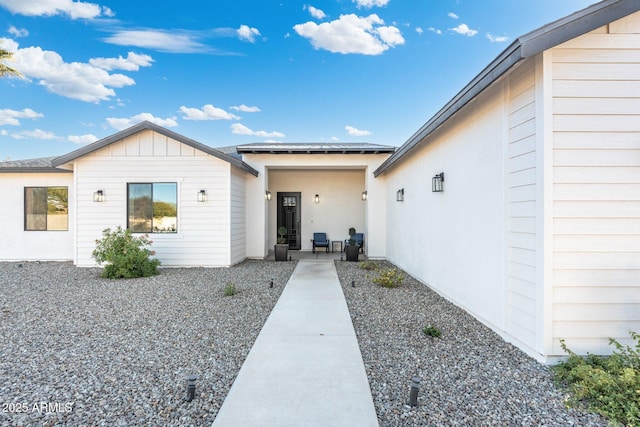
(368, 265)
(609, 385)
(126, 256)
(389, 278)
(432, 331)
(230, 289)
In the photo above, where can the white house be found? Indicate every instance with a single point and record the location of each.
(536, 231)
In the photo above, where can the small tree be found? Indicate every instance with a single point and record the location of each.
(282, 231)
(127, 256)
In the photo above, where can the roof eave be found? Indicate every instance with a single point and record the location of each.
(33, 169)
(524, 47)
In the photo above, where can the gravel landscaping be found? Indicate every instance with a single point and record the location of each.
(469, 376)
(79, 350)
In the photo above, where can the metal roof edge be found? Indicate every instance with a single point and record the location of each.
(523, 47)
(314, 148)
(146, 125)
(33, 169)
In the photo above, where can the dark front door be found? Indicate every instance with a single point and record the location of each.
(289, 217)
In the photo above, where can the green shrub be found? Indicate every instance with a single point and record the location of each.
(127, 256)
(389, 278)
(432, 331)
(609, 385)
(368, 265)
(230, 289)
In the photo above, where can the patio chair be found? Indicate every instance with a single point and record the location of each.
(359, 239)
(320, 241)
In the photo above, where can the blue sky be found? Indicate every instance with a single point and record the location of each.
(237, 72)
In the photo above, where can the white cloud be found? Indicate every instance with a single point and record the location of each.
(208, 112)
(497, 39)
(34, 134)
(248, 33)
(74, 9)
(132, 62)
(18, 32)
(124, 123)
(240, 129)
(435, 30)
(463, 29)
(76, 80)
(453, 15)
(351, 34)
(391, 36)
(315, 12)
(82, 139)
(356, 132)
(161, 40)
(371, 3)
(10, 117)
(419, 30)
(245, 108)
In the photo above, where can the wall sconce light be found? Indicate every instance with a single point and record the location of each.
(400, 195)
(316, 199)
(436, 183)
(202, 196)
(98, 196)
(267, 195)
(364, 196)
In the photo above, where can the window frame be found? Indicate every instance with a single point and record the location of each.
(152, 228)
(47, 188)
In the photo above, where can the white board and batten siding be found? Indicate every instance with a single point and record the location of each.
(203, 229)
(596, 186)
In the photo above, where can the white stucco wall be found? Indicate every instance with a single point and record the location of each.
(17, 244)
(455, 241)
(339, 180)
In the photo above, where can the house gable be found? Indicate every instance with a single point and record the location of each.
(150, 144)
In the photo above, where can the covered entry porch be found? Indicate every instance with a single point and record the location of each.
(310, 188)
(315, 200)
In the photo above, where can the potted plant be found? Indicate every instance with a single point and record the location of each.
(281, 248)
(352, 249)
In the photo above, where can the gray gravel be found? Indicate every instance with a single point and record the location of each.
(469, 376)
(79, 350)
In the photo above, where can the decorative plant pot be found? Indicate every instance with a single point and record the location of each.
(352, 252)
(281, 251)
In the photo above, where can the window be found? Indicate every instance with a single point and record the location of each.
(46, 208)
(152, 207)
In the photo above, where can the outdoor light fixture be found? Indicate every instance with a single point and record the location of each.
(267, 195)
(413, 394)
(98, 196)
(364, 195)
(202, 196)
(436, 183)
(400, 195)
(191, 388)
(316, 199)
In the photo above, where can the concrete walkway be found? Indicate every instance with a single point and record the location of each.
(305, 368)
